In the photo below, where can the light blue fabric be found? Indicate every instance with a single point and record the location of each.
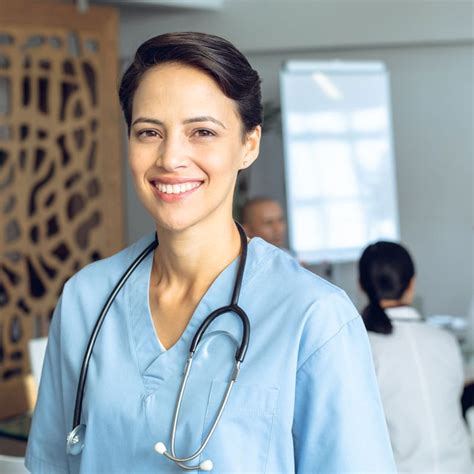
(306, 399)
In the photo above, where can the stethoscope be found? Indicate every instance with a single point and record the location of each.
(75, 439)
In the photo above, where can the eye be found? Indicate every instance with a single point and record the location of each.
(204, 132)
(147, 134)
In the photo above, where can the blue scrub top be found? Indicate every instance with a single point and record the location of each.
(306, 399)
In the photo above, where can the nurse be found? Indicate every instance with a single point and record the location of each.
(306, 399)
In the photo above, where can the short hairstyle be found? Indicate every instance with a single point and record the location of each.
(248, 205)
(385, 272)
(212, 55)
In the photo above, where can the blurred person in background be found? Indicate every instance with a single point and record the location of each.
(419, 367)
(264, 217)
(467, 399)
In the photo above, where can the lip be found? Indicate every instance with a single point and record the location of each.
(173, 197)
(174, 180)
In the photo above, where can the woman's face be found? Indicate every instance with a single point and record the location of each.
(186, 146)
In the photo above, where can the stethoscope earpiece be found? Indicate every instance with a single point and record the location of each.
(160, 447)
(206, 465)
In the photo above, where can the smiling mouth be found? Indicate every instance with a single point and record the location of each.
(177, 188)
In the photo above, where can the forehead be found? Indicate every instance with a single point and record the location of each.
(181, 87)
(266, 209)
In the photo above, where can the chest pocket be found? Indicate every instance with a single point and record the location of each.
(242, 437)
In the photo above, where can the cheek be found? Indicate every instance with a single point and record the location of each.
(133, 165)
(224, 162)
(137, 161)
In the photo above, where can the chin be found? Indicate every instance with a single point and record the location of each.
(176, 222)
(174, 225)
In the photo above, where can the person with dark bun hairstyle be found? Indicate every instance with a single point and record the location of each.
(217, 352)
(419, 368)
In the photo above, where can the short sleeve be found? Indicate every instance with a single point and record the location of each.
(46, 451)
(339, 424)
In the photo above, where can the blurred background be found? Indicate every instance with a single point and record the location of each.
(427, 48)
(66, 195)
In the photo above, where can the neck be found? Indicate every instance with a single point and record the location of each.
(393, 303)
(192, 259)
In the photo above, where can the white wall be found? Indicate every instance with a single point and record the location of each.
(285, 25)
(428, 48)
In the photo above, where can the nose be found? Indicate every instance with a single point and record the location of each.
(172, 153)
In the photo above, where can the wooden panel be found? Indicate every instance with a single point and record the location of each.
(60, 160)
(17, 396)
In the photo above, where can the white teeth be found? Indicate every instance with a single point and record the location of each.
(176, 188)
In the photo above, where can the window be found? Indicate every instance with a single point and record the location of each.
(340, 177)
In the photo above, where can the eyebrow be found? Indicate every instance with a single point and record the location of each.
(204, 118)
(148, 120)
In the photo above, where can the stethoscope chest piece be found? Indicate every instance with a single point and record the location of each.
(75, 440)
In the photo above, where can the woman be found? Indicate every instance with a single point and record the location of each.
(306, 398)
(419, 368)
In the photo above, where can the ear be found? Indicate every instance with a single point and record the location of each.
(252, 147)
(409, 293)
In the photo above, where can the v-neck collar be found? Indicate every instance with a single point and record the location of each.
(155, 363)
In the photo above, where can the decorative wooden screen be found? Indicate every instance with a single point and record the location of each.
(60, 161)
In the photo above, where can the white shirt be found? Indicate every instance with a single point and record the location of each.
(420, 374)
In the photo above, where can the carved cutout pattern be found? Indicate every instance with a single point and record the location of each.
(51, 178)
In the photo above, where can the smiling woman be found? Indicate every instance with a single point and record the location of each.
(186, 147)
(282, 377)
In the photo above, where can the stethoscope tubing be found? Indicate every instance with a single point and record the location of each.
(239, 357)
(233, 308)
(97, 327)
(77, 432)
(214, 424)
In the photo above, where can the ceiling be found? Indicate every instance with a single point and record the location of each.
(178, 4)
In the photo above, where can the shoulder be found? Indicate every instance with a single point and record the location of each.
(105, 272)
(319, 309)
(85, 293)
(415, 335)
(437, 337)
(425, 331)
(287, 276)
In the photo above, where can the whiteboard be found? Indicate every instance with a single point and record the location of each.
(339, 162)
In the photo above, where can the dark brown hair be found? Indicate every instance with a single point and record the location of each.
(212, 55)
(385, 272)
